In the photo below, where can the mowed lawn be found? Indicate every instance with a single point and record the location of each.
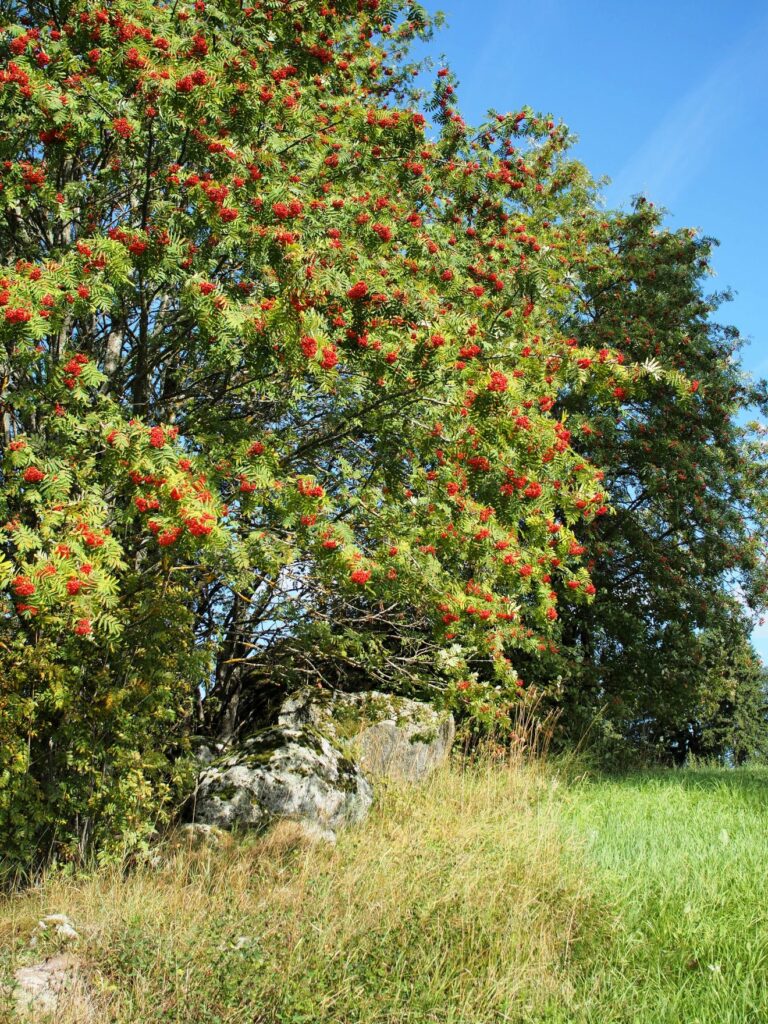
(496, 893)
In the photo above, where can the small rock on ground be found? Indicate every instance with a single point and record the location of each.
(48, 987)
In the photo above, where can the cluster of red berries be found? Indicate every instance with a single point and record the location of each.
(286, 211)
(200, 526)
(17, 315)
(309, 347)
(23, 586)
(73, 369)
(189, 82)
(330, 358)
(309, 490)
(498, 381)
(122, 127)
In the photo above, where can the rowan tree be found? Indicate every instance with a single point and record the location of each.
(283, 372)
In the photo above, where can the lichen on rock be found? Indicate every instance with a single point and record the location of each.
(387, 734)
(283, 772)
(315, 765)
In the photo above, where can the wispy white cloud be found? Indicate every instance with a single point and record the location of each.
(672, 156)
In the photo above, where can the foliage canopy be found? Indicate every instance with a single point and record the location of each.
(296, 384)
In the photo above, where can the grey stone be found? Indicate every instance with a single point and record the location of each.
(49, 987)
(196, 834)
(206, 752)
(389, 736)
(283, 772)
(59, 924)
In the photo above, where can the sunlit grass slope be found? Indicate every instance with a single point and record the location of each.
(495, 893)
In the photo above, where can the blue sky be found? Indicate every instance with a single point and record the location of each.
(666, 98)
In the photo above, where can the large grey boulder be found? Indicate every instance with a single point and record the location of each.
(385, 734)
(283, 772)
(313, 767)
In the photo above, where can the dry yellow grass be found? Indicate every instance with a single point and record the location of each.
(495, 894)
(453, 902)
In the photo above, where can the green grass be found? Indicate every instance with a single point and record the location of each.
(680, 860)
(501, 893)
